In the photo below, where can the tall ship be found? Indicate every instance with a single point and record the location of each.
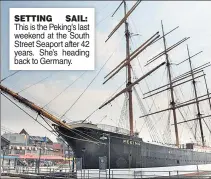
(123, 147)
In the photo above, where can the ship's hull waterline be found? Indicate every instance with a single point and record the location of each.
(127, 152)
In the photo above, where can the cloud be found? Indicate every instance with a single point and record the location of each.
(112, 48)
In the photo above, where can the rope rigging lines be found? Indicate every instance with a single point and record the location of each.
(35, 119)
(34, 84)
(90, 85)
(177, 95)
(10, 75)
(167, 132)
(152, 130)
(53, 130)
(106, 100)
(123, 123)
(64, 90)
(168, 122)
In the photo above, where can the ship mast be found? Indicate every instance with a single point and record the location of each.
(194, 74)
(174, 82)
(126, 62)
(196, 97)
(171, 88)
(130, 56)
(208, 94)
(127, 36)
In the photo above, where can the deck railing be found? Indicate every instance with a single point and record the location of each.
(114, 129)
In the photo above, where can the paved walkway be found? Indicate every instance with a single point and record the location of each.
(5, 177)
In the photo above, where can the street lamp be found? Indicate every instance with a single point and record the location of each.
(39, 158)
(83, 150)
(4, 152)
(105, 137)
(37, 168)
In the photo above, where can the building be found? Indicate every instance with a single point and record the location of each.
(24, 144)
(4, 145)
(4, 142)
(63, 148)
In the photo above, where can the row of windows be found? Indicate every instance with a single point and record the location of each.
(170, 153)
(177, 161)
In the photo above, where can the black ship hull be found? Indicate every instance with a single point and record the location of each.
(126, 152)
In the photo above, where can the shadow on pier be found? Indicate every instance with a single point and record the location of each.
(58, 175)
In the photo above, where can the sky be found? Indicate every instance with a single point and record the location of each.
(192, 17)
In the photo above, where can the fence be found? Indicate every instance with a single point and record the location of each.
(114, 173)
(123, 174)
(45, 172)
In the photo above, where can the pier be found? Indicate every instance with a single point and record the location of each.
(188, 172)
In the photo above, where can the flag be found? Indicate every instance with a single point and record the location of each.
(25, 139)
(44, 139)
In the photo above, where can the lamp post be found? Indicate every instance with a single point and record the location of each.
(83, 162)
(39, 158)
(37, 168)
(69, 155)
(4, 151)
(109, 150)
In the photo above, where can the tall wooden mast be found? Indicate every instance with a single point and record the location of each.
(208, 94)
(127, 61)
(196, 97)
(127, 36)
(171, 88)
